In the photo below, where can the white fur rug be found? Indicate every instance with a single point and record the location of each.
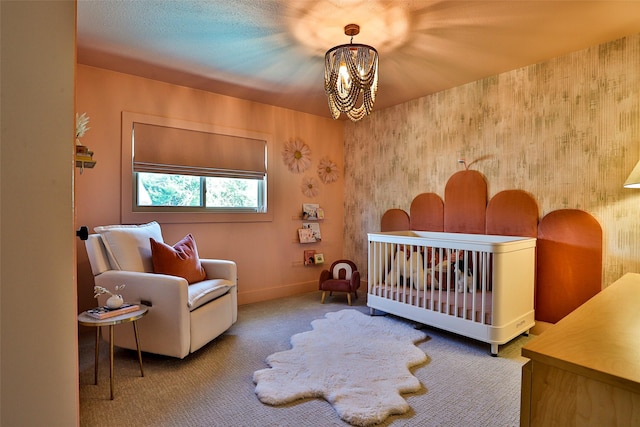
(358, 363)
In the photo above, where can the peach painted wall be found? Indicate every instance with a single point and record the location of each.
(566, 130)
(268, 255)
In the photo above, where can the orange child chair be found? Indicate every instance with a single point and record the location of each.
(342, 277)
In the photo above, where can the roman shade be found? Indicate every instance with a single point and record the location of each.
(161, 149)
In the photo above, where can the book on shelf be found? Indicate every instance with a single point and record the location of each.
(105, 312)
(306, 235)
(315, 230)
(83, 158)
(309, 257)
(310, 211)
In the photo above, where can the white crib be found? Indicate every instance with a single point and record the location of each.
(478, 286)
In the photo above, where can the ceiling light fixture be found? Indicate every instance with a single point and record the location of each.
(351, 77)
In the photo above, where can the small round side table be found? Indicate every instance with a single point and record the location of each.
(86, 320)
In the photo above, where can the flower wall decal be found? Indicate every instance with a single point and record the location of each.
(297, 156)
(310, 187)
(327, 171)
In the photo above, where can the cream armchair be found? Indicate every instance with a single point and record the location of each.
(182, 317)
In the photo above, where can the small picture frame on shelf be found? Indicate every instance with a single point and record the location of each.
(320, 213)
(309, 257)
(318, 259)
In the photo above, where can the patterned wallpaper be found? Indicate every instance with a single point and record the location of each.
(567, 131)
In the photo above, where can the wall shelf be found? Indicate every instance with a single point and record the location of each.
(85, 163)
(84, 157)
(82, 164)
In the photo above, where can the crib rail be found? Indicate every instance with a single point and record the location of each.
(481, 280)
(453, 281)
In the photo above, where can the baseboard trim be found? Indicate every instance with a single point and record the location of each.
(276, 292)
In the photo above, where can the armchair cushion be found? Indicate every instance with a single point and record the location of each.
(128, 246)
(180, 259)
(202, 292)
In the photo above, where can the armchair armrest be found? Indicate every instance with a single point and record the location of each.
(224, 269)
(144, 286)
(355, 280)
(220, 269)
(324, 275)
(166, 327)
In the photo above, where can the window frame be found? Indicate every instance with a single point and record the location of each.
(130, 213)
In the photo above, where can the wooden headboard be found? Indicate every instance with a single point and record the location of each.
(569, 245)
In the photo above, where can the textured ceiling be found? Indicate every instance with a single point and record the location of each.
(272, 51)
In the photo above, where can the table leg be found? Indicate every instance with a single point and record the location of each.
(111, 357)
(135, 331)
(97, 353)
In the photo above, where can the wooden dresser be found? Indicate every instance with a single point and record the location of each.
(585, 370)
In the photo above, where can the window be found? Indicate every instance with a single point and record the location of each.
(179, 171)
(215, 193)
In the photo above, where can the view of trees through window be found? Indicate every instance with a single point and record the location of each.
(169, 190)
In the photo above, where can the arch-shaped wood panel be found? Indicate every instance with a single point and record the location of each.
(394, 220)
(512, 213)
(465, 203)
(569, 264)
(427, 213)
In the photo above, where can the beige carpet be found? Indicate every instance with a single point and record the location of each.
(463, 385)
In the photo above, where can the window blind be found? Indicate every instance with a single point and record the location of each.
(160, 149)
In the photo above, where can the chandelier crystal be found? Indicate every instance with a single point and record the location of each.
(351, 77)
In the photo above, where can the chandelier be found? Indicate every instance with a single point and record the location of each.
(351, 77)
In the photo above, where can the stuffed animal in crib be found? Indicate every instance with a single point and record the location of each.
(441, 268)
(464, 278)
(409, 268)
(399, 268)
